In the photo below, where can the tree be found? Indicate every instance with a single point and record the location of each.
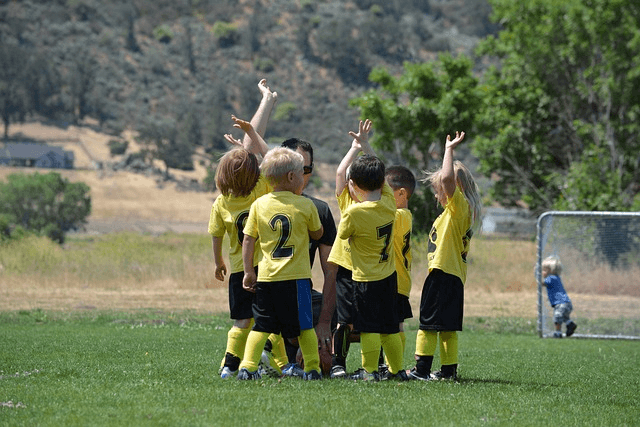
(46, 204)
(560, 117)
(413, 113)
(14, 93)
(161, 141)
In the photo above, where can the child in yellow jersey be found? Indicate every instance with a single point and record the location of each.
(240, 183)
(283, 221)
(403, 183)
(368, 225)
(442, 301)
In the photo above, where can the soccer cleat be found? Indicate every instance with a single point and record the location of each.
(244, 374)
(557, 334)
(293, 370)
(226, 372)
(571, 328)
(439, 375)
(313, 375)
(363, 375)
(384, 372)
(269, 365)
(413, 374)
(338, 371)
(400, 376)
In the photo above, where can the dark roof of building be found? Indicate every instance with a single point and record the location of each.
(30, 150)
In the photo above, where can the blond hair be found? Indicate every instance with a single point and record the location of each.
(468, 186)
(553, 265)
(237, 173)
(278, 162)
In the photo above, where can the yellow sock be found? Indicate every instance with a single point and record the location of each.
(449, 348)
(278, 350)
(426, 343)
(392, 345)
(236, 341)
(253, 350)
(308, 341)
(370, 349)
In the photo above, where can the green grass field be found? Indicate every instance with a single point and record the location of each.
(159, 368)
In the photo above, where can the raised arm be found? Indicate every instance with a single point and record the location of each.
(360, 143)
(448, 175)
(252, 142)
(261, 117)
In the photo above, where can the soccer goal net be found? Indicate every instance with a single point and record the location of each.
(600, 256)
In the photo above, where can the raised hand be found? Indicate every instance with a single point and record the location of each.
(265, 91)
(362, 137)
(232, 140)
(242, 124)
(457, 140)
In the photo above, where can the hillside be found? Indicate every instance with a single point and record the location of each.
(189, 65)
(126, 200)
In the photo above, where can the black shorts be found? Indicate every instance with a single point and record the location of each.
(240, 300)
(403, 308)
(345, 308)
(442, 302)
(375, 303)
(283, 307)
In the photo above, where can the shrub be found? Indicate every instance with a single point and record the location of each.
(117, 147)
(285, 111)
(163, 33)
(264, 65)
(209, 181)
(226, 33)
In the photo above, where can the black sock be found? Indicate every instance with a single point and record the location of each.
(423, 365)
(449, 370)
(340, 345)
(232, 362)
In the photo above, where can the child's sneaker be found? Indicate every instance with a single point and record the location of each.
(384, 372)
(338, 371)
(400, 376)
(363, 375)
(413, 374)
(313, 375)
(557, 334)
(244, 374)
(571, 328)
(293, 370)
(444, 375)
(226, 372)
(269, 365)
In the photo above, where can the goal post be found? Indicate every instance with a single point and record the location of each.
(600, 256)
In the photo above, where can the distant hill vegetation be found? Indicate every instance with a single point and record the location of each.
(182, 67)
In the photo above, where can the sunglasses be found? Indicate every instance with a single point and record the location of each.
(307, 169)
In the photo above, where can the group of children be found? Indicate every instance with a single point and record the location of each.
(270, 224)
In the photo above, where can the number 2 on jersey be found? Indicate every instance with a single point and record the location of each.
(281, 251)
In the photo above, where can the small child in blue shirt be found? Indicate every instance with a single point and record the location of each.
(558, 298)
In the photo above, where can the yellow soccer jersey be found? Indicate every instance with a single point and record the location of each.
(402, 248)
(450, 237)
(341, 250)
(228, 215)
(282, 221)
(369, 228)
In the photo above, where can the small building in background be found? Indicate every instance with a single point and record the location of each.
(35, 155)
